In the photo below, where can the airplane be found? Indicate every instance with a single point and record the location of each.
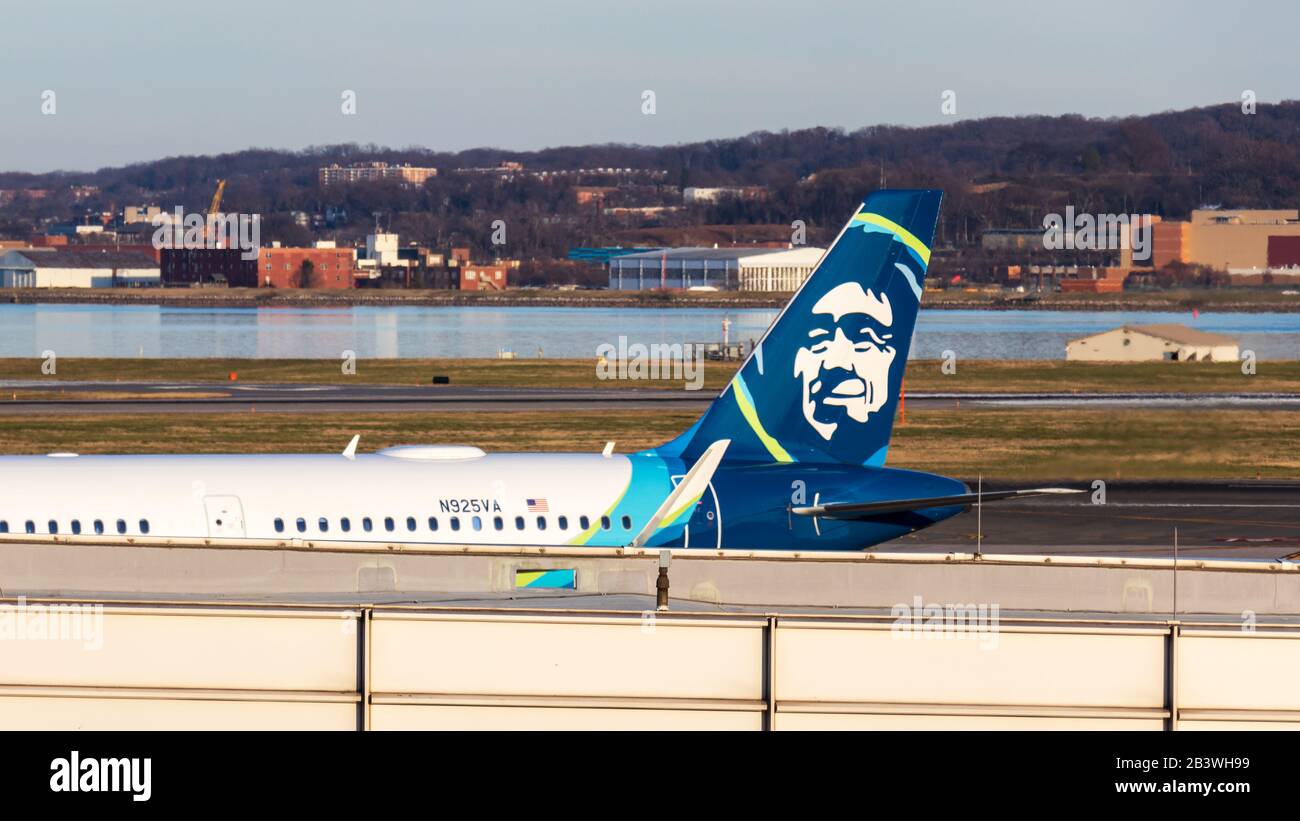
(789, 456)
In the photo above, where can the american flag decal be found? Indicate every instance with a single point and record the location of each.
(538, 506)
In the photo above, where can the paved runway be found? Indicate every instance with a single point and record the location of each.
(1229, 519)
(86, 397)
(64, 397)
(1214, 519)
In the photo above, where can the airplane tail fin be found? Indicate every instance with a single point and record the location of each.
(823, 383)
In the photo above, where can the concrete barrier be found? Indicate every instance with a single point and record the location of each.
(210, 666)
(86, 666)
(79, 566)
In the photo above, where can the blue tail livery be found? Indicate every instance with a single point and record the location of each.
(822, 385)
(808, 416)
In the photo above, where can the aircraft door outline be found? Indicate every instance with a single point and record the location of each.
(225, 517)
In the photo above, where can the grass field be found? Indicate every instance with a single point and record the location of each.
(1104, 377)
(1014, 444)
(533, 373)
(922, 375)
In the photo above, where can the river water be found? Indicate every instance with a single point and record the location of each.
(418, 332)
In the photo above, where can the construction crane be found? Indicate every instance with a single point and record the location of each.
(216, 198)
(210, 222)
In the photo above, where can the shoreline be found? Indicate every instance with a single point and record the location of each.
(1168, 302)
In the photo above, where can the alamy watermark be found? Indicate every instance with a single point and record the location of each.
(53, 622)
(683, 362)
(197, 231)
(1098, 232)
(930, 620)
(74, 773)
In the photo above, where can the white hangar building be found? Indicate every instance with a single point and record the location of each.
(728, 269)
(70, 267)
(1149, 343)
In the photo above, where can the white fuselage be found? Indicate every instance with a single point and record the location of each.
(432, 495)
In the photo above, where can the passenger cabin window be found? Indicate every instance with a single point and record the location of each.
(604, 523)
(29, 526)
(4, 526)
(367, 525)
(476, 522)
(121, 527)
(627, 522)
(410, 523)
(389, 524)
(279, 525)
(433, 522)
(76, 527)
(455, 523)
(562, 523)
(345, 524)
(519, 523)
(301, 524)
(324, 525)
(498, 523)
(584, 522)
(54, 526)
(144, 527)
(99, 527)
(541, 522)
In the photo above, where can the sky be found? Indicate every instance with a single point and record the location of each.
(135, 81)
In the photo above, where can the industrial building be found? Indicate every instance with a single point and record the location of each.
(382, 263)
(750, 269)
(1152, 343)
(72, 267)
(1253, 246)
(1238, 242)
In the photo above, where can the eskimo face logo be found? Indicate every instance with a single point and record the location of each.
(845, 365)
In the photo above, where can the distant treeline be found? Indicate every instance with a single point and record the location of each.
(998, 172)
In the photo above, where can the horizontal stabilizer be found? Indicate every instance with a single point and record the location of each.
(866, 510)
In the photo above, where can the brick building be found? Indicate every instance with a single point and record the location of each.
(475, 277)
(1108, 280)
(273, 267)
(284, 267)
(207, 266)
